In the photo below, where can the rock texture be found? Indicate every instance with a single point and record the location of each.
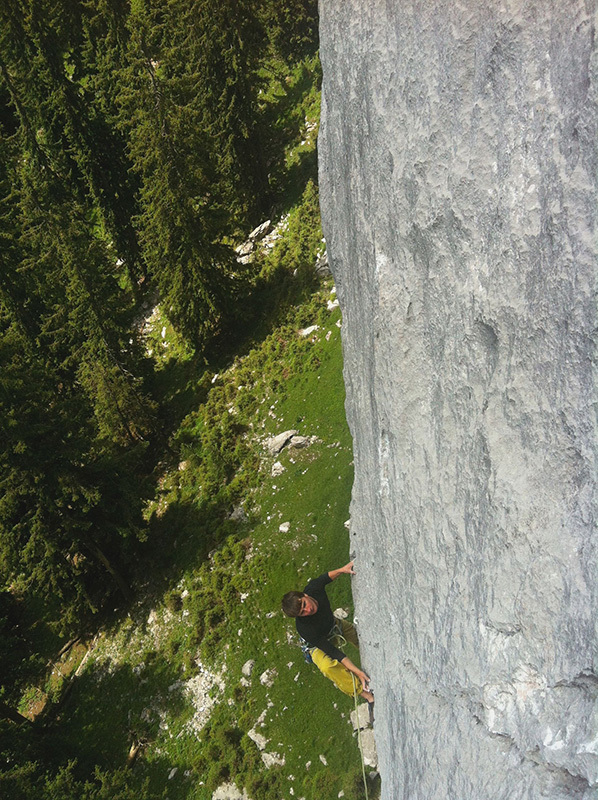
(458, 167)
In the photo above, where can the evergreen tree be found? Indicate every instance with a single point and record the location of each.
(67, 509)
(292, 27)
(42, 64)
(183, 215)
(29, 779)
(224, 43)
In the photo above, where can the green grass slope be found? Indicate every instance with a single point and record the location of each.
(149, 677)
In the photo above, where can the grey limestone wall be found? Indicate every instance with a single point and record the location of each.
(458, 169)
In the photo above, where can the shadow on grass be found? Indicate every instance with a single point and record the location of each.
(303, 168)
(284, 120)
(176, 385)
(181, 538)
(110, 708)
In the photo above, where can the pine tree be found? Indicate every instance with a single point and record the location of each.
(42, 65)
(73, 415)
(292, 27)
(217, 49)
(68, 508)
(183, 215)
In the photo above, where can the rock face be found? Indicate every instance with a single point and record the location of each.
(458, 167)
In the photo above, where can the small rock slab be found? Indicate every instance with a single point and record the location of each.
(244, 249)
(229, 791)
(261, 230)
(363, 715)
(300, 441)
(267, 677)
(303, 332)
(276, 443)
(273, 760)
(322, 266)
(258, 739)
(247, 667)
(368, 748)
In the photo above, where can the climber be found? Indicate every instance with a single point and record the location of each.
(322, 631)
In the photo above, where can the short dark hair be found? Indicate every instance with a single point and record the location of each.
(291, 603)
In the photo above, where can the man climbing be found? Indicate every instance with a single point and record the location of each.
(318, 626)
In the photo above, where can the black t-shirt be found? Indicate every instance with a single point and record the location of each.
(316, 628)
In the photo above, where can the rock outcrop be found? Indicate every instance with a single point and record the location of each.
(458, 167)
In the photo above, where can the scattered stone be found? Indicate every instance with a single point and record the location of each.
(244, 249)
(203, 691)
(303, 332)
(328, 335)
(244, 683)
(341, 613)
(323, 760)
(332, 304)
(172, 773)
(322, 266)
(277, 469)
(272, 760)
(276, 443)
(229, 791)
(258, 738)
(238, 514)
(285, 527)
(261, 230)
(301, 441)
(267, 677)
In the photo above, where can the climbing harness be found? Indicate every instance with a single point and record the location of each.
(335, 636)
(306, 649)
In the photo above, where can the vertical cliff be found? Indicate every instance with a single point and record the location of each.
(458, 169)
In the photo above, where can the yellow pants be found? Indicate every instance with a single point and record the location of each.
(333, 669)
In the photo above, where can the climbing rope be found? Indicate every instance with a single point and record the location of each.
(365, 784)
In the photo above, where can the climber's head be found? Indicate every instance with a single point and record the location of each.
(299, 604)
